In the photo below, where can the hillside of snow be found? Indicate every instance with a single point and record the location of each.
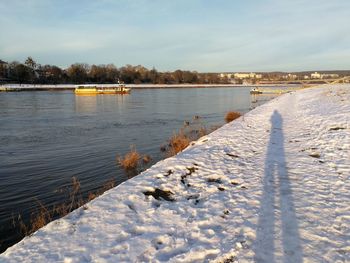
(272, 186)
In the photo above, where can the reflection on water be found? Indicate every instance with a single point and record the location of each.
(85, 103)
(46, 138)
(88, 103)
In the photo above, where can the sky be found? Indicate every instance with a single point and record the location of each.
(201, 35)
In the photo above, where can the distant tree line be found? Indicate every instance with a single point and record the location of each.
(30, 72)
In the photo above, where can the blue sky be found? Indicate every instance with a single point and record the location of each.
(202, 35)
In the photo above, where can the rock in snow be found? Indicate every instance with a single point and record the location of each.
(252, 191)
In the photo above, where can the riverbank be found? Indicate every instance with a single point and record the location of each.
(271, 186)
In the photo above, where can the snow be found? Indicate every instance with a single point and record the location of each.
(272, 186)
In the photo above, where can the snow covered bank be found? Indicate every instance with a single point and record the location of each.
(272, 186)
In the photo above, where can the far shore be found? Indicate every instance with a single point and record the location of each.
(38, 87)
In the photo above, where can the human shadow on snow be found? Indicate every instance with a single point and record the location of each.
(277, 202)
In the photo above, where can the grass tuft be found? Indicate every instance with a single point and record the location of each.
(232, 115)
(177, 143)
(131, 160)
(191, 131)
(146, 159)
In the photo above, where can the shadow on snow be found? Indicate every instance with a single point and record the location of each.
(277, 200)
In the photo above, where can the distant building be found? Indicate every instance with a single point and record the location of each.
(329, 76)
(315, 75)
(240, 76)
(247, 76)
(290, 76)
(226, 75)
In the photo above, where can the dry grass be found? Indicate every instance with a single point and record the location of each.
(40, 219)
(19, 223)
(76, 199)
(61, 209)
(130, 160)
(232, 115)
(177, 143)
(146, 159)
(106, 186)
(43, 215)
(91, 196)
(202, 132)
(191, 131)
(133, 162)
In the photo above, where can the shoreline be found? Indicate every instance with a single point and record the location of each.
(219, 194)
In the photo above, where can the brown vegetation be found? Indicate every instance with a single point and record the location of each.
(44, 215)
(177, 143)
(146, 159)
(191, 131)
(232, 115)
(39, 219)
(106, 186)
(131, 160)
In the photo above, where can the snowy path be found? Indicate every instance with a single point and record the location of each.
(272, 186)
